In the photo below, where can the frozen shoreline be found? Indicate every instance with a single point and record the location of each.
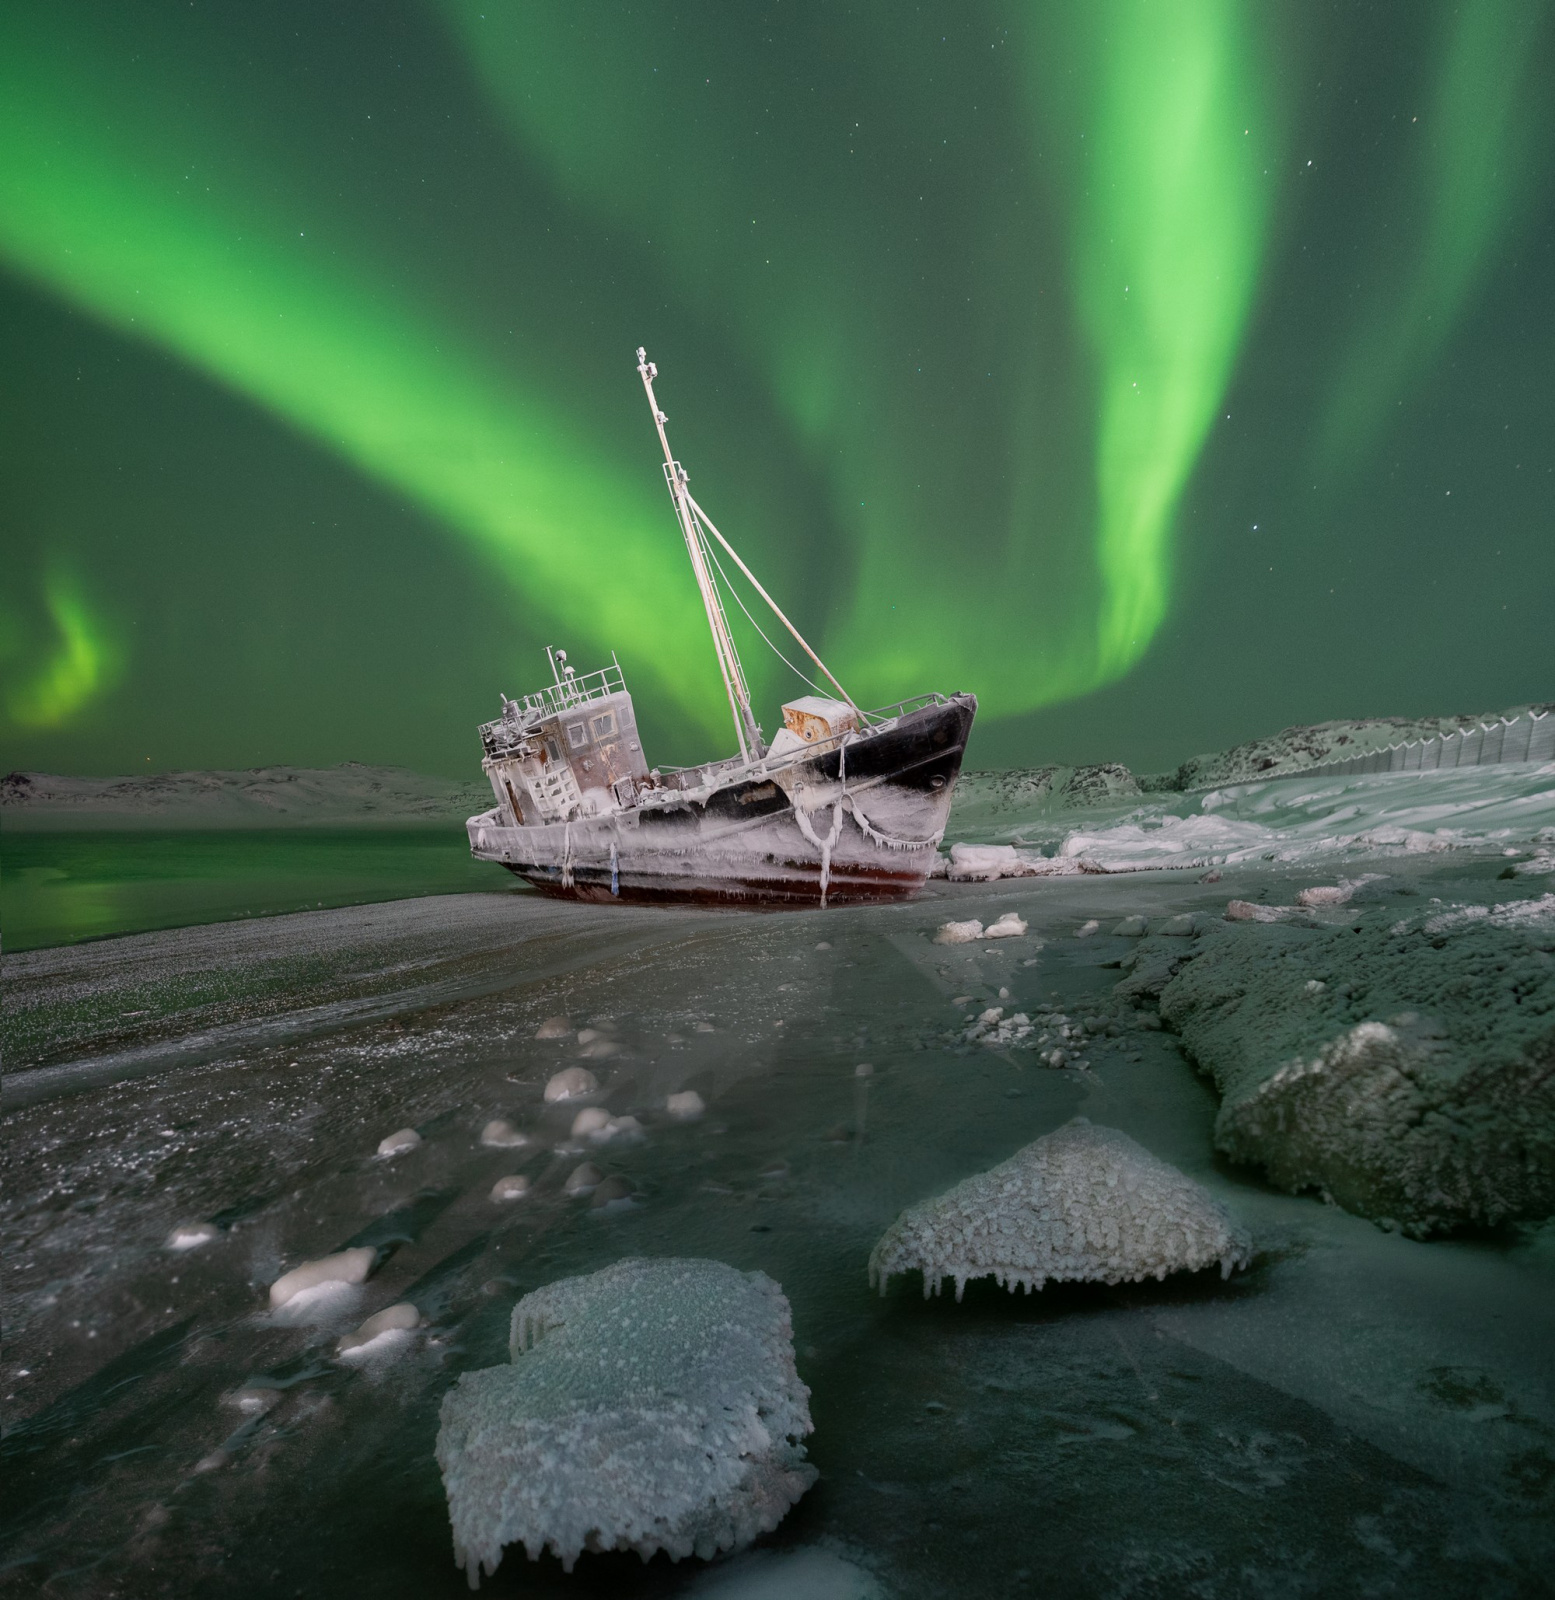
(1368, 1406)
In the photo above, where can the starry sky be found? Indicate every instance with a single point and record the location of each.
(1162, 371)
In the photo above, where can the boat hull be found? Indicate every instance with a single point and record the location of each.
(849, 826)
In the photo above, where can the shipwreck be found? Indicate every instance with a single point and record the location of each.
(843, 806)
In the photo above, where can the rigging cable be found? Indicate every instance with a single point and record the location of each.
(756, 625)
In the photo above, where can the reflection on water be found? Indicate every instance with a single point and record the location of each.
(62, 887)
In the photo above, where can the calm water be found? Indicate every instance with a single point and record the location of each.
(58, 888)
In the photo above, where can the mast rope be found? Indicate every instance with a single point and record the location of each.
(756, 625)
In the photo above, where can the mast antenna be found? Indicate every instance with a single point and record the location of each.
(746, 730)
(693, 521)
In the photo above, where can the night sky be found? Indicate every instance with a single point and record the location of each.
(1162, 371)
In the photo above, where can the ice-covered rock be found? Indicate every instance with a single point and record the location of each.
(651, 1406)
(554, 1028)
(1407, 1071)
(591, 1119)
(981, 863)
(1009, 926)
(500, 1134)
(1081, 1204)
(346, 1266)
(1252, 911)
(583, 1178)
(1178, 927)
(1325, 895)
(959, 932)
(614, 1191)
(1086, 929)
(1130, 928)
(400, 1318)
(513, 1188)
(192, 1235)
(571, 1083)
(686, 1105)
(398, 1142)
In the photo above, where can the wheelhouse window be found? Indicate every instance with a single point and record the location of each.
(604, 725)
(577, 735)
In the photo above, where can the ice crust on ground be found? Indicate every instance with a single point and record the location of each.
(1083, 1203)
(1313, 818)
(651, 1406)
(1408, 1071)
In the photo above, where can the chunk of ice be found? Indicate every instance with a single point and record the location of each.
(686, 1105)
(651, 1406)
(959, 932)
(571, 1083)
(1083, 1203)
(347, 1266)
(397, 1143)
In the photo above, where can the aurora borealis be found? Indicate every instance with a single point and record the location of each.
(1161, 373)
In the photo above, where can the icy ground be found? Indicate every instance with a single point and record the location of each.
(1358, 1413)
(1311, 819)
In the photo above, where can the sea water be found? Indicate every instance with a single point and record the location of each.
(1358, 1413)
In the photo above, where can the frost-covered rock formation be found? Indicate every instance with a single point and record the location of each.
(1081, 1204)
(1406, 1069)
(651, 1406)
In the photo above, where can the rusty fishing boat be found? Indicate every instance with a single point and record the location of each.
(843, 806)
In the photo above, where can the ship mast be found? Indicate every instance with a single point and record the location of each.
(746, 730)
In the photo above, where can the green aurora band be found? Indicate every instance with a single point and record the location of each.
(995, 317)
(184, 253)
(1173, 204)
(1169, 208)
(86, 661)
(1479, 137)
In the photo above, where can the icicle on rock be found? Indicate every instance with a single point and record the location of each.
(346, 1266)
(397, 1143)
(651, 1406)
(1082, 1204)
(571, 1083)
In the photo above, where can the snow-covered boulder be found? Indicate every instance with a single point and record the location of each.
(651, 1406)
(1406, 1070)
(1081, 1204)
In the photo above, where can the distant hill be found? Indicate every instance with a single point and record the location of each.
(1322, 744)
(264, 797)
(988, 801)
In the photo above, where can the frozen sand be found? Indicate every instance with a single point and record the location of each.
(1358, 1409)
